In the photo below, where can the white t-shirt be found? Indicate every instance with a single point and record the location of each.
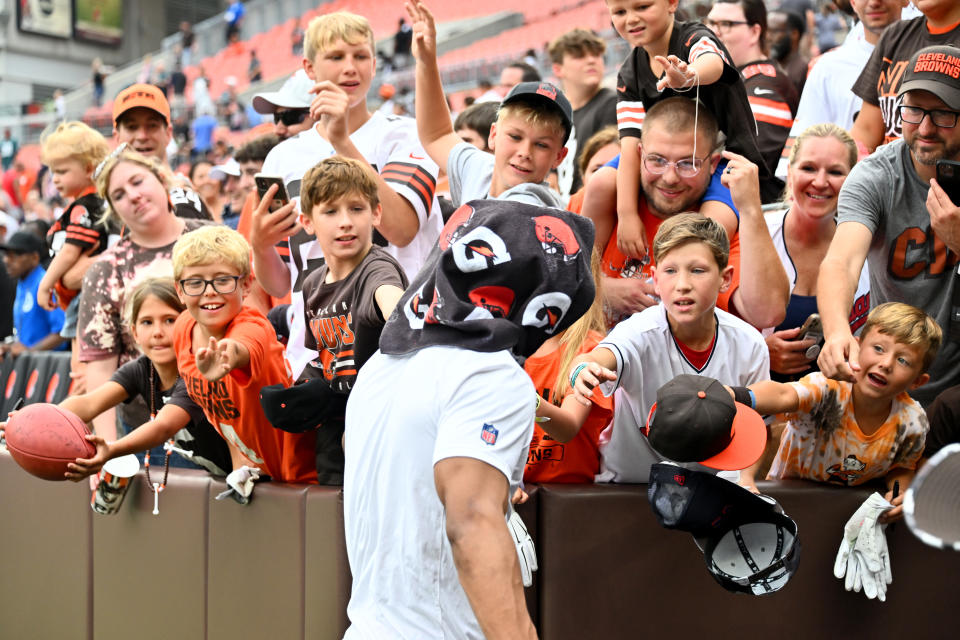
(470, 172)
(405, 414)
(647, 358)
(390, 144)
(861, 300)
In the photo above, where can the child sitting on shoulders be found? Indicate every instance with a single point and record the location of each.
(684, 333)
(226, 352)
(346, 303)
(849, 433)
(72, 151)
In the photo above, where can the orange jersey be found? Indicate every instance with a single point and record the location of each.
(232, 404)
(579, 459)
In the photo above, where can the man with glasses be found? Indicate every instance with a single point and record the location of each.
(678, 149)
(290, 105)
(892, 210)
(742, 27)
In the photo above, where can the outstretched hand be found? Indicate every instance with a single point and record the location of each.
(677, 74)
(83, 467)
(218, 358)
(588, 379)
(424, 44)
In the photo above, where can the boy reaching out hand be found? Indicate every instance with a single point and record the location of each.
(849, 433)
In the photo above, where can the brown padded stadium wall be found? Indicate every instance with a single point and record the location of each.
(277, 568)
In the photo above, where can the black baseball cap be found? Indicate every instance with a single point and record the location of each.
(302, 407)
(23, 242)
(696, 420)
(547, 94)
(748, 543)
(937, 70)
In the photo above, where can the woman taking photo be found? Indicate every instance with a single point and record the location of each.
(135, 188)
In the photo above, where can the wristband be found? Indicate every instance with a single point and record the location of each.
(538, 402)
(744, 396)
(573, 375)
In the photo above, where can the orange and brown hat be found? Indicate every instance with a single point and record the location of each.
(141, 95)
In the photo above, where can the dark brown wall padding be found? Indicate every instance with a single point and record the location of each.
(277, 567)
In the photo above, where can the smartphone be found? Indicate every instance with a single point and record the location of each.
(264, 182)
(948, 177)
(812, 329)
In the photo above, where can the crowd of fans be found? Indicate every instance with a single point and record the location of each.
(823, 255)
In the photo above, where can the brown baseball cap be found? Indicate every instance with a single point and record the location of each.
(937, 70)
(141, 95)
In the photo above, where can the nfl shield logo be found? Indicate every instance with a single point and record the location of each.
(489, 434)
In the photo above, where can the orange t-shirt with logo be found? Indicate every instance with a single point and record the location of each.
(232, 404)
(579, 459)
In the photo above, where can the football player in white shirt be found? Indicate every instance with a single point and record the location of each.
(340, 59)
(685, 333)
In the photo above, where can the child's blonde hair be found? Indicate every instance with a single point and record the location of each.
(685, 228)
(907, 325)
(161, 288)
(334, 177)
(324, 30)
(74, 140)
(123, 153)
(209, 244)
(535, 116)
(575, 335)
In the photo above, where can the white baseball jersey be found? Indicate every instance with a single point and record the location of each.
(390, 144)
(861, 300)
(648, 357)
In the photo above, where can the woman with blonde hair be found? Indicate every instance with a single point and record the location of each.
(135, 188)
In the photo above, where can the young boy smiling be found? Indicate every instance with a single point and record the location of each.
(685, 333)
(527, 140)
(226, 352)
(348, 299)
(852, 432)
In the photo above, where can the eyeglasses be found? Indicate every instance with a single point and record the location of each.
(290, 117)
(724, 25)
(685, 168)
(220, 284)
(939, 117)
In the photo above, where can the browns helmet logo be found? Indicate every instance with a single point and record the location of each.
(415, 309)
(556, 237)
(548, 90)
(546, 310)
(454, 227)
(496, 301)
(479, 249)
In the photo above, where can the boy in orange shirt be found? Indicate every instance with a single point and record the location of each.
(227, 352)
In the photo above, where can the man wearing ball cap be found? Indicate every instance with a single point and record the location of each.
(290, 106)
(894, 211)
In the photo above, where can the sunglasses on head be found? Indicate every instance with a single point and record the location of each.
(290, 117)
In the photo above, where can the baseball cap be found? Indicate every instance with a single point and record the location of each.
(695, 420)
(931, 505)
(546, 94)
(141, 95)
(229, 168)
(937, 70)
(294, 94)
(23, 242)
(302, 407)
(748, 543)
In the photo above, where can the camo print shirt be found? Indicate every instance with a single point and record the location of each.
(102, 334)
(823, 442)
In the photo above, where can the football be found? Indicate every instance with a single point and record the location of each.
(43, 438)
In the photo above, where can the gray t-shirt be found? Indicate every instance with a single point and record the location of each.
(907, 262)
(470, 171)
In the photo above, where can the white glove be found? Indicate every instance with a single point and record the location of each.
(240, 482)
(526, 551)
(863, 559)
